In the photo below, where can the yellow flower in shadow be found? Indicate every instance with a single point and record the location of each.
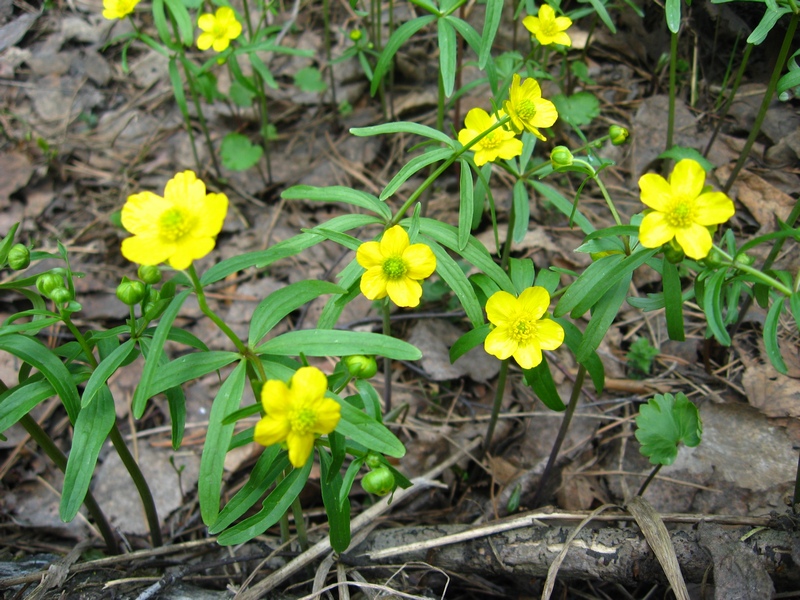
(526, 107)
(500, 143)
(178, 228)
(297, 413)
(547, 28)
(118, 9)
(682, 209)
(218, 29)
(395, 267)
(521, 328)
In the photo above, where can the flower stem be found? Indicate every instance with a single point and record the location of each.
(762, 277)
(498, 402)
(300, 524)
(650, 478)
(387, 363)
(762, 111)
(673, 60)
(562, 434)
(613, 210)
(724, 113)
(140, 482)
(201, 301)
(45, 443)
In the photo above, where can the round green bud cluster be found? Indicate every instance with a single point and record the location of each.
(360, 366)
(47, 282)
(19, 257)
(561, 158)
(673, 252)
(356, 35)
(61, 295)
(379, 482)
(150, 274)
(619, 135)
(130, 292)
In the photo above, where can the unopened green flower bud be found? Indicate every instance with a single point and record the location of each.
(673, 252)
(130, 292)
(47, 282)
(373, 460)
(19, 257)
(60, 295)
(715, 259)
(360, 366)
(150, 274)
(619, 135)
(379, 482)
(745, 259)
(152, 298)
(356, 35)
(561, 158)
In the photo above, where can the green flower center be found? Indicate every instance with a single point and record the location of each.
(302, 420)
(491, 141)
(526, 109)
(394, 268)
(681, 215)
(220, 30)
(174, 223)
(523, 329)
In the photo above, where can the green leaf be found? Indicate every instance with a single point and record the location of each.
(451, 273)
(262, 69)
(522, 273)
(91, 429)
(405, 127)
(491, 23)
(338, 511)
(363, 429)
(663, 423)
(578, 109)
(563, 205)
(273, 508)
(673, 301)
(266, 470)
(600, 9)
(239, 153)
(771, 336)
(673, 12)
(182, 19)
(522, 211)
(23, 398)
(7, 243)
(678, 153)
(573, 338)
(309, 79)
(447, 55)
(794, 306)
(152, 359)
(579, 289)
(338, 193)
(39, 356)
(540, 380)
(106, 369)
(413, 166)
(466, 208)
(188, 367)
(282, 302)
(393, 44)
(468, 341)
(768, 21)
(329, 342)
(218, 438)
(712, 306)
(603, 315)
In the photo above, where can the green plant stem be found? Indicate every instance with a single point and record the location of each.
(512, 217)
(762, 111)
(387, 363)
(673, 60)
(734, 88)
(562, 434)
(45, 443)
(498, 403)
(326, 20)
(140, 482)
(796, 496)
(613, 210)
(300, 524)
(763, 278)
(201, 301)
(79, 338)
(433, 176)
(650, 478)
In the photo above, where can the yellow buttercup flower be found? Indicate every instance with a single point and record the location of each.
(178, 228)
(218, 29)
(526, 107)
(521, 329)
(548, 28)
(118, 9)
(500, 143)
(395, 267)
(297, 413)
(682, 209)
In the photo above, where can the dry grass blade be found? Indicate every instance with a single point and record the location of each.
(552, 572)
(656, 534)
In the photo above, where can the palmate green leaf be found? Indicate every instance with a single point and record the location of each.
(468, 341)
(771, 335)
(337, 193)
(329, 342)
(393, 44)
(663, 423)
(106, 369)
(337, 509)
(152, 358)
(451, 273)
(272, 463)
(540, 380)
(239, 153)
(364, 430)
(39, 356)
(673, 301)
(447, 55)
(579, 109)
(413, 166)
(218, 438)
(272, 309)
(91, 430)
(273, 508)
(188, 367)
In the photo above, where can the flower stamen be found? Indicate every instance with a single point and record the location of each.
(174, 223)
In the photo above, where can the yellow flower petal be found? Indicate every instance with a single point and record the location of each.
(550, 334)
(373, 284)
(501, 307)
(146, 250)
(478, 119)
(499, 344)
(534, 301)
(695, 241)
(189, 250)
(394, 241)
(369, 255)
(137, 213)
(404, 292)
(529, 355)
(656, 192)
(300, 447)
(329, 414)
(713, 208)
(561, 38)
(275, 397)
(206, 22)
(214, 208)
(308, 384)
(420, 261)
(271, 430)
(655, 231)
(687, 179)
(546, 113)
